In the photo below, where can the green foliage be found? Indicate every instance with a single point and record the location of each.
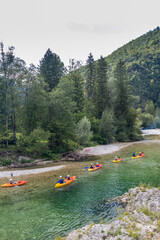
(83, 131)
(5, 161)
(108, 127)
(51, 68)
(24, 160)
(102, 91)
(149, 107)
(36, 143)
(147, 119)
(142, 61)
(78, 84)
(90, 78)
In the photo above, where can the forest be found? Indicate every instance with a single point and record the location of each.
(51, 108)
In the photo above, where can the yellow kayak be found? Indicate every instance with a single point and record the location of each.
(66, 182)
(139, 156)
(96, 168)
(119, 160)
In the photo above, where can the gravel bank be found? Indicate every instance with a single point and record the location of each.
(151, 132)
(104, 149)
(29, 171)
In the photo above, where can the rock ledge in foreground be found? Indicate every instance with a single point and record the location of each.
(140, 221)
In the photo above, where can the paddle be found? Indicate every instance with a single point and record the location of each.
(12, 177)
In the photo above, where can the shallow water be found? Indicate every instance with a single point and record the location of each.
(52, 212)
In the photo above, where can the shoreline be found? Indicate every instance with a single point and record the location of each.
(90, 151)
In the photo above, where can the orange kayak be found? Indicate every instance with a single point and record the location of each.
(96, 168)
(19, 183)
(118, 160)
(66, 182)
(139, 156)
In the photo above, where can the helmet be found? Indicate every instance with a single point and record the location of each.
(91, 163)
(68, 176)
(97, 162)
(10, 179)
(60, 176)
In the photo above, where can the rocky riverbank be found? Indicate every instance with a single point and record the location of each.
(141, 219)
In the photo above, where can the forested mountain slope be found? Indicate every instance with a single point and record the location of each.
(142, 60)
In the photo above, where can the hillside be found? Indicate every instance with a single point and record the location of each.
(142, 60)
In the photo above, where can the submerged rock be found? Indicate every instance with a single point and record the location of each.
(140, 221)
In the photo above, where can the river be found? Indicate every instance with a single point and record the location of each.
(50, 212)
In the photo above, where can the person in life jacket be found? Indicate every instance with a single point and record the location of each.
(116, 158)
(11, 181)
(91, 165)
(140, 154)
(61, 180)
(68, 177)
(97, 165)
(133, 155)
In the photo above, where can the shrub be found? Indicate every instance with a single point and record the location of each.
(108, 128)
(35, 143)
(5, 161)
(83, 131)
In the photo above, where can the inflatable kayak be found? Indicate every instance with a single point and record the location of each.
(19, 183)
(139, 156)
(66, 182)
(118, 160)
(96, 168)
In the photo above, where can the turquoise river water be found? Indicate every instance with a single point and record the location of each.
(53, 212)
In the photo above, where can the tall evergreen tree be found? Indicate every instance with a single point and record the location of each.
(51, 68)
(90, 77)
(6, 61)
(121, 106)
(78, 81)
(102, 90)
(121, 81)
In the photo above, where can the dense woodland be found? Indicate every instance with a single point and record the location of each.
(52, 109)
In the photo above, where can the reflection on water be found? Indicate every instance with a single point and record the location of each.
(89, 199)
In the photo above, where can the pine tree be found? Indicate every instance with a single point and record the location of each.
(51, 68)
(90, 77)
(6, 61)
(121, 81)
(102, 90)
(121, 106)
(78, 81)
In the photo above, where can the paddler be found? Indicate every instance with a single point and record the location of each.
(91, 165)
(133, 155)
(61, 180)
(68, 177)
(116, 158)
(11, 181)
(97, 165)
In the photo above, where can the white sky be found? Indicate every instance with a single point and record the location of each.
(73, 29)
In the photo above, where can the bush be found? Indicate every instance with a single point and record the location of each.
(147, 119)
(5, 161)
(108, 127)
(122, 137)
(24, 160)
(36, 143)
(83, 131)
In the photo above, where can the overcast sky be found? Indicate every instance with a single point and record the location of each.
(72, 28)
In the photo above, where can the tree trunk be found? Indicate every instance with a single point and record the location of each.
(6, 112)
